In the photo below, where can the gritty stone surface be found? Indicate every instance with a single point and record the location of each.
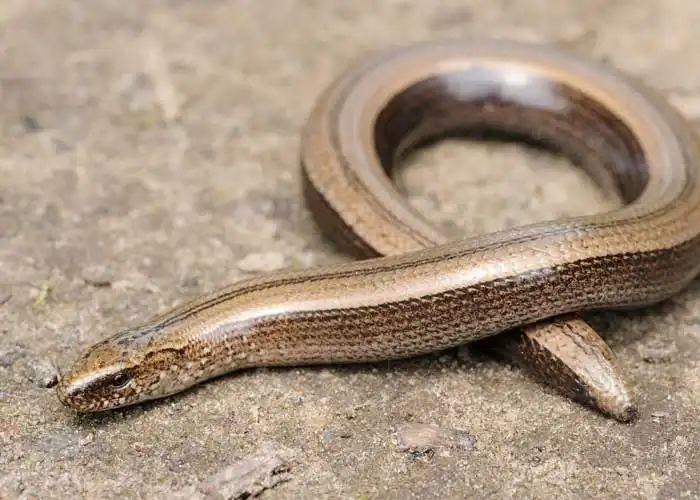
(148, 153)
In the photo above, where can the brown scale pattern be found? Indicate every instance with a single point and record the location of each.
(587, 132)
(421, 325)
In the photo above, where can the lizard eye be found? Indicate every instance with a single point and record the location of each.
(120, 380)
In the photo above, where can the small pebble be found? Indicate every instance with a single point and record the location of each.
(245, 478)
(261, 262)
(421, 438)
(621, 471)
(97, 276)
(658, 416)
(89, 438)
(657, 352)
(43, 373)
(330, 435)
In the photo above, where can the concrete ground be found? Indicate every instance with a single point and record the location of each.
(148, 153)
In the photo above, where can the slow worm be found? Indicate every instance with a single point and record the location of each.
(420, 292)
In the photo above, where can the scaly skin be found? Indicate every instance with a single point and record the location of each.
(416, 292)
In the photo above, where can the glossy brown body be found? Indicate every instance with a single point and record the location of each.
(429, 294)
